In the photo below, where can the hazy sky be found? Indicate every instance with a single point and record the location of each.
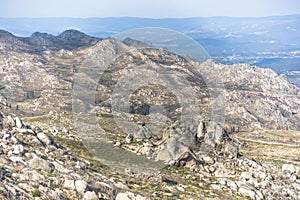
(147, 8)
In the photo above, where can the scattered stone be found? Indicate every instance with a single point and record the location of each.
(69, 184)
(201, 131)
(9, 122)
(81, 186)
(19, 123)
(118, 144)
(18, 149)
(39, 163)
(129, 138)
(129, 196)
(44, 138)
(288, 169)
(296, 186)
(90, 195)
(250, 191)
(54, 131)
(208, 160)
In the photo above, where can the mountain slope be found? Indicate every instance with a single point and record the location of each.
(257, 98)
(127, 104)
(37, 42)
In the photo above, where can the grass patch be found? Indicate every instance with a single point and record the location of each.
(36, 193)
(79, 150)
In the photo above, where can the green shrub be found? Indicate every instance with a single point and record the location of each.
(36, 193)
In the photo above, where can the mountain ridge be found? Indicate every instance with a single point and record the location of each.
(240, 80)
(124, 103)
(68, 40)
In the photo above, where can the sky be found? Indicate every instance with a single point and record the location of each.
(147, 8)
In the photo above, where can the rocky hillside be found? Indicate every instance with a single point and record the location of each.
(35, 165)
(38, 42)
(128, 101)
(246, 97)
(255, 98)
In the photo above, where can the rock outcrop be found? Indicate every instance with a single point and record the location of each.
(33, 166)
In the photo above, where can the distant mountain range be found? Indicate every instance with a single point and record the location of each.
(269, 42)
(68, 40)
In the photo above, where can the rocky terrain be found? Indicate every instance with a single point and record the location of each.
(255, 98)
(86, 101)
(35, 166)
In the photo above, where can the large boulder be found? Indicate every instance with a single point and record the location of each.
(19, 123)
(8, 122)
(39, 163)
(45, 138)
(214, 138)
(212, 133)
(190, 142)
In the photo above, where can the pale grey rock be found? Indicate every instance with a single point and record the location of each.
(19, 123)
(117, 144)
(61, 168)
(25, 186)
(247, 177)
(215, 186)
(17, 159)
(81, 186)
(208, 160)
(129, 196)
(39, 163)
(9, 122)
(57, 194)
(214, 134)
(90, 195)
(288, 169)
(129, 138)
(222, 172)
(140, 135)
(18, 149)
(232, 185)
(296, 186)
(69, 184)
(265, 184)
(24, 130)
(293, 178)
(34, 177)
(200, 130)
(44, 138)
(15, 140)
(80, 165)
(6, 136)
(250, 191)
(223, 181)
(173, 151)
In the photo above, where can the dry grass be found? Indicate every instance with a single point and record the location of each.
(272, 146)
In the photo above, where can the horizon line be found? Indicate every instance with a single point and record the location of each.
(154, 18)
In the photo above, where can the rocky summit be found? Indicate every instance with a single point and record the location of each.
(89, 118)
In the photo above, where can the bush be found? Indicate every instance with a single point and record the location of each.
(36, 193)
